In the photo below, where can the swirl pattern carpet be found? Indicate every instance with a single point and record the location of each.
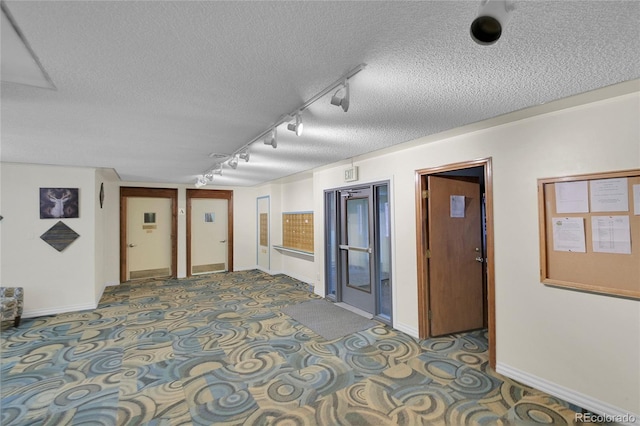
(217, 349)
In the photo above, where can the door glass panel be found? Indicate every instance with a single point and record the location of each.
(331, 216)
(359, 276)
(384, 251)
(358, 266)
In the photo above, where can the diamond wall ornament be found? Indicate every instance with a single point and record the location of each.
(59, 236)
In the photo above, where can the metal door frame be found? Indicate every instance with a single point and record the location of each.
(374, 244)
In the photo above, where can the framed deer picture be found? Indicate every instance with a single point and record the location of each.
(58, 203)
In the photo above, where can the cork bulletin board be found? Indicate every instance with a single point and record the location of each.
(590, 232)
(297, 231)
(264, 229)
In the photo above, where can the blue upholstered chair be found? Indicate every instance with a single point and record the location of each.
(11, 303)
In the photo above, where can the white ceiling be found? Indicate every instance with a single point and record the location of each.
(151, 88)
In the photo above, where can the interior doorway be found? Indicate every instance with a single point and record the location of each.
(455, 250)
(148, 228)
(209, 231)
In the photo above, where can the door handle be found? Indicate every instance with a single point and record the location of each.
(479, 259)
(223, 241)
(363, 249)
(131, 245)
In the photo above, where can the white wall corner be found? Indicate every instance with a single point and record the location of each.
(265, 270)
(612, 414)
(411, 331)
(104, 286)
(298, 277)
(249, 268)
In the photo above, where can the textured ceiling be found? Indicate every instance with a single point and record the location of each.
(151, 88)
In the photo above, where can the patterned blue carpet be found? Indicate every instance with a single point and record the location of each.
(217, 349)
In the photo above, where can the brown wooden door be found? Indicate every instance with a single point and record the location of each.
(455, 263)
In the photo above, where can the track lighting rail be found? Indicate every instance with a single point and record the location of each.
(243, 152)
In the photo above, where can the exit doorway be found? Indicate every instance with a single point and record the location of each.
(358, 248)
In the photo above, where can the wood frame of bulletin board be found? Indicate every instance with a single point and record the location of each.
(609, 260)
(297, 231)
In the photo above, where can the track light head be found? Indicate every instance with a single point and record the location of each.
(341, 97)
(272, 139)
(208, 176)
(297, 127)
(200, 182)
(493, 15)
(244, 155)
(233, 162)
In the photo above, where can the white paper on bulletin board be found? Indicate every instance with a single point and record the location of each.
(568, 234)
(636, 200)
(610, 195)
(611, 234)
(457, 206)
(572, 197)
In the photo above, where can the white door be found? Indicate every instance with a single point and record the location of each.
(209, 235)
(263, 256)
(148, 237)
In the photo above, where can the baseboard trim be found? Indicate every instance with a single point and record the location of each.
(581, 400)
(247, 268)
(58, 310)
(305, 280)
(265, 270)
(413, 332)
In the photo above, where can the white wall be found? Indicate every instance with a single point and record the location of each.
(244, 225)
(287, 195)
(103, 277)
(297, 197)
(108, 219)
(586, 343)
(53, 281)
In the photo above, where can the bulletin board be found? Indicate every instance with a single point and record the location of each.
(590, 232)
(297, 231)
(264, 229)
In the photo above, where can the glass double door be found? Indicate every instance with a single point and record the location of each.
(358, 268)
